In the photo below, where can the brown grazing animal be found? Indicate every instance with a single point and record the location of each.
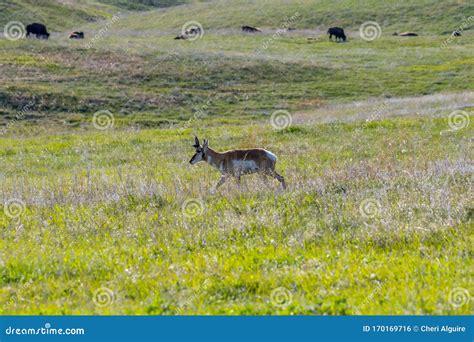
(237, 162)
(406, 34)
(193, 31)
(250, 29)
(76, 35)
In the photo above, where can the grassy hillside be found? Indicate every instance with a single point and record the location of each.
(60, 15)
(154, 80)
(377, 217)
(57, 15)
(392, 15)
(144, 4)
(141, 74)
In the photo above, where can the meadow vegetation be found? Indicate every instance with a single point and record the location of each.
(377, 217)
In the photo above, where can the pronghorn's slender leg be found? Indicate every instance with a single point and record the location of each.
(280, 178)
(237, 177)
(221, 181)
(265, 179)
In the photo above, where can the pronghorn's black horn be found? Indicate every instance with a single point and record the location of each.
(196, 142)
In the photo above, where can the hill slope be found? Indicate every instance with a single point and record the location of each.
(65, 14)
(444, 16)
(60, 15)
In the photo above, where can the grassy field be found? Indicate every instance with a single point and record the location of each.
(375, 142)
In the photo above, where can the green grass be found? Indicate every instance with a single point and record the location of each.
(391, 15)
(137, 68)
(168, 87)
(377, 217)
(71, 15)
(105, 210)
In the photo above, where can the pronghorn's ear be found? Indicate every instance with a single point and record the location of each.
(205, 143)
(196, 142)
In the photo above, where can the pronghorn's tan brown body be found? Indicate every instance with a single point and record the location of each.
(237, 162)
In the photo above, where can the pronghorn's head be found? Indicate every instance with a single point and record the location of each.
(200, 151)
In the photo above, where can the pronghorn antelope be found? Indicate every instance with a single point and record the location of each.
(237, 162)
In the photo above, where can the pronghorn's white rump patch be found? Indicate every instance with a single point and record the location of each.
(244, 165)
(271, 156)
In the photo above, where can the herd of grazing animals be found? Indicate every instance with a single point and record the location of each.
(40, 31)
(233, 163)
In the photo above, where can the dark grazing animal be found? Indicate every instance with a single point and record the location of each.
(76, 35)
(406, 34)
(337, 32)
(39, 30)
(193, 31)
(250, 29)
(456, 34)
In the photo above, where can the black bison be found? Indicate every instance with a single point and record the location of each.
(337, 32)
(250, 29)
(406, 34)
(76, 35)
(39, 30)
(193, 31)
